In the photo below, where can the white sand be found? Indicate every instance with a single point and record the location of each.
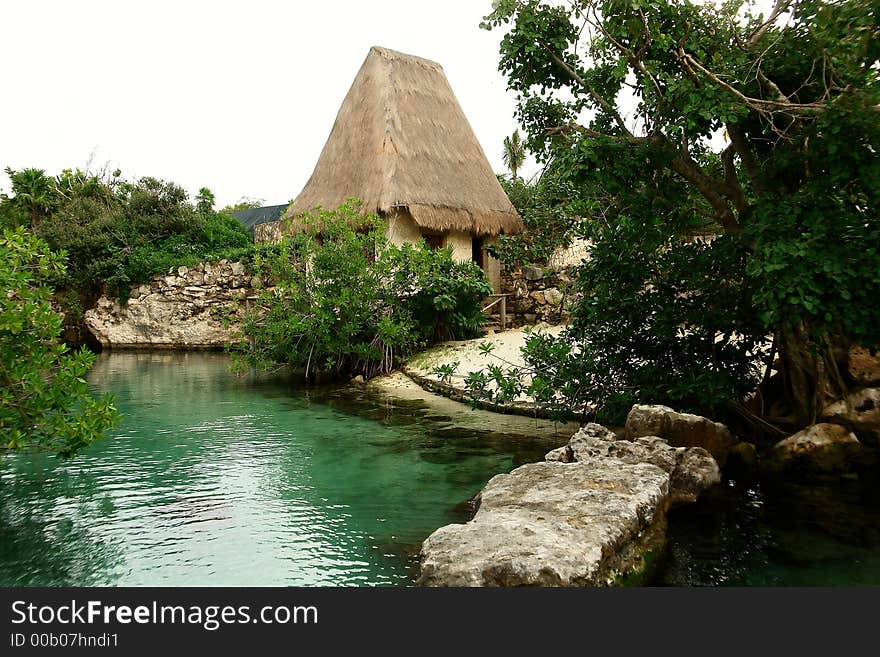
(466, 356)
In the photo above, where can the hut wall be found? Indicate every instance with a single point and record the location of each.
(402, 229)
(462, 245)
(492, 266)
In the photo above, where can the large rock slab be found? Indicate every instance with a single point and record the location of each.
(822, 448)
(154, 322)
(553, 524)
(679, 429)
(591, 515)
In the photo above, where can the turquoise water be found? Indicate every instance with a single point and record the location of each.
(218, 480)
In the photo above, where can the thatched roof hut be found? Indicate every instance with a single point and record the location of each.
(402, 143)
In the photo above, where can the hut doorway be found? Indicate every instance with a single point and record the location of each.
(477, 253)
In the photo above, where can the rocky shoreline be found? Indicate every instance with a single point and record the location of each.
(183, 309)
(592, 514)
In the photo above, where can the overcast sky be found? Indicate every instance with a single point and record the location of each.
(236, 96)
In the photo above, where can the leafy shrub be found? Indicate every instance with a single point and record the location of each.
(545, 207)
(119, 233)
(45, 405)
(349, 302)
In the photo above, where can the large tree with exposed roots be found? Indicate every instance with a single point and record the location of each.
(755, 124)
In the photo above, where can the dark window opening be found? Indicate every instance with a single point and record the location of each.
(433, 240)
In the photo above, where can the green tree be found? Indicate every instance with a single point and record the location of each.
(33, 192)
(45, 405)
(117, 233)
(348, 302)
(544, 205)
(514, 153)
(671, 119)
(205, 201)
(244, 203)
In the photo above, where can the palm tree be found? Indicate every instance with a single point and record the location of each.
(33, 192)
(514, 153)
(205, 201)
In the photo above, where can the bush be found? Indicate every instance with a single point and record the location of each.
(545, 207)
(45, 405)
(348, 302)
(118, 233)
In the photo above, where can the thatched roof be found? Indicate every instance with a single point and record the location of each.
(401, 141)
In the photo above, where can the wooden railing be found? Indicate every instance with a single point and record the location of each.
(499, 300)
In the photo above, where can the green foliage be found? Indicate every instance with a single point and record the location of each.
(45, 405)
(243, 203)
(205, 201)
(792, 194)
(445, 371)
(544, 206)
(119, 233)
(348, 302)
(514, 153)
(34, 196)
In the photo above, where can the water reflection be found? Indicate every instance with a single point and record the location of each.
(765, 533)
(216, 480)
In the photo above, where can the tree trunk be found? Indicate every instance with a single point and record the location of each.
(810, 377)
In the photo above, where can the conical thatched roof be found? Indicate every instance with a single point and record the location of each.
(401, 141)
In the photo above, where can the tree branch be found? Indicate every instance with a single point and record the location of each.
(734, 190)
(716, 192)
(779, 8)
(684, 165)
(597, 98)
(760, 105)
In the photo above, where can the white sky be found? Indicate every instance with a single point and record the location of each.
(236, 96)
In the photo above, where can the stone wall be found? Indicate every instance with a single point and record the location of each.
(268, 233)
(181, 310)
(537, 294)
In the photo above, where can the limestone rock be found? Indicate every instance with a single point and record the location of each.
(824, 447)
(560, 454)
(679, 429)
(169, 312)
(742, 457)
(692, 470)
(588, 515)
(695, 471)
(533, 273)
(553, 296)
(553, 524)
(860, 411)
(864, 366)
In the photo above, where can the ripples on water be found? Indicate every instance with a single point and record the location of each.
(213, 480)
